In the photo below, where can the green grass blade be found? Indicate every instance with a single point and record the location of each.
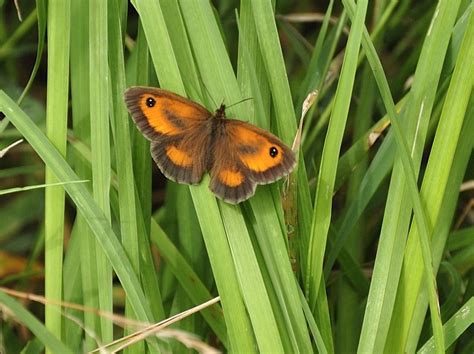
(348, 321)
(56, 125)
(460, 239)
(251, 74)
(28, 188)
(275, 69)
(157, 37)
(100, 145)
(355, 156)
(73, 287)
(142, 179)
(316, 69)
(41, 7)
(268, 230)
(141, 147)
(189, 280)
(251, 282)
(80, 104)
(224, 272)
(181, 46)
(440, 162)
(318, 339)
(328, 168)
(453, 328)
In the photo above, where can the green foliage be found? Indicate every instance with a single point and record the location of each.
(366, 248)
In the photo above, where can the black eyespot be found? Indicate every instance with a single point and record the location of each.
(150, 102)
(273, 151)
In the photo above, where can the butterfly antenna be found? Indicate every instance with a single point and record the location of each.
(236, 103)
(208, 92)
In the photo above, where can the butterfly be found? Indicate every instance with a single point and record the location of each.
(187, 140)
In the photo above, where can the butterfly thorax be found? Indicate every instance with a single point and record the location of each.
(220, 112)
(217, 133)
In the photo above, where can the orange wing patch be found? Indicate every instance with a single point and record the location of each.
(231, 178)
(264, 154)
(261, 160)
(163, 116)
(178, 157)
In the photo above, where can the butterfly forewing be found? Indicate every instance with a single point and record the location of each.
(158, 112)
(179, 131)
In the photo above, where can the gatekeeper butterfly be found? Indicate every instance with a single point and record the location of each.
(187, 140)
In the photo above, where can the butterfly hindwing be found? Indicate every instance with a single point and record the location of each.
(244, 156)
(177, 161)
(229, 181)
(264, 157)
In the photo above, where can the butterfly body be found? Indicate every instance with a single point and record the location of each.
(187, 140)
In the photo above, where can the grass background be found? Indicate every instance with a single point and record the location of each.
(370, 248)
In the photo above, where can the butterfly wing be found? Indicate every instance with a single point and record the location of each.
(179, 131)
(229, 180)
(245, 156)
